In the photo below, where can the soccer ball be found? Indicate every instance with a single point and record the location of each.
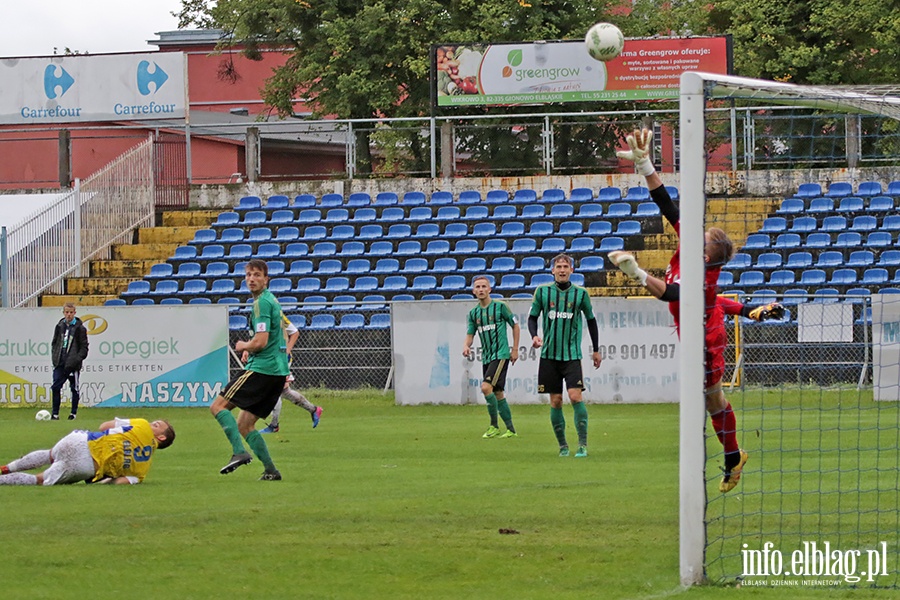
(604, 41)
(42, 415)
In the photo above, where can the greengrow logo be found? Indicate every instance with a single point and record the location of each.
(514, 59)
(53, 81)
(144, 78)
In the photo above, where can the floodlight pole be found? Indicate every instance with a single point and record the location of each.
(692, 455)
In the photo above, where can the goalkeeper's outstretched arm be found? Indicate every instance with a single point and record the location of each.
(639, 144)
(772, 310)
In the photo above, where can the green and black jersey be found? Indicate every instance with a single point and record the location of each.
(561, 326)
(490, 323)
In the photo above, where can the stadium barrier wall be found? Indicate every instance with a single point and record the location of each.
(138, 356)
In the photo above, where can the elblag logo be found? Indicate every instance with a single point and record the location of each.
(144, 78)
(52, 81)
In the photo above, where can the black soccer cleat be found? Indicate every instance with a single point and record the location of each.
(236, 461)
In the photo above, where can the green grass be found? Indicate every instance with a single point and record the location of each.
(380, 501)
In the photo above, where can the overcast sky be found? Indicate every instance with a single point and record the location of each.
(35, 28)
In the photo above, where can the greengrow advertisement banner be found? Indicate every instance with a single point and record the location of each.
(638, 345)
(138, 356)
(67, 89)
(545, 72)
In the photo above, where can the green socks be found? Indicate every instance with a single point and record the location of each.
(505, 414)
(559, 425)
(229, 425)
(491, 400)
(258, 445)
(581, 422)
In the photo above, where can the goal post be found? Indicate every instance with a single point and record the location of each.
(825, 454)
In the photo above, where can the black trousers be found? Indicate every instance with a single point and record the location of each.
(60, 376)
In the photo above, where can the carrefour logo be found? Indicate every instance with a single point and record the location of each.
(144, 78)
(53, 81)
(514, 59)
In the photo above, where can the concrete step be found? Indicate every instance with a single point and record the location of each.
(155, 252)
(134, 269)
(166, 235)
(189, 218)
(79, 300)
(87, 286)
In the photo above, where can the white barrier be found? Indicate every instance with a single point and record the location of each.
(637, 339)
(138, 356)
(886, 346)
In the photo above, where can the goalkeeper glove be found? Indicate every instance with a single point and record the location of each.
(639, 154)
(773, 310)
(628, 265)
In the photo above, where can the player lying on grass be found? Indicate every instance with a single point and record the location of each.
(718, 250)
(121, 452)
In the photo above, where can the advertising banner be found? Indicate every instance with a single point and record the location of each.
(886, 346)
(138, 356)
(67, 89)
(544, 72)
(637, 342)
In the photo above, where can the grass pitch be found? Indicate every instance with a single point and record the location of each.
(380, 501)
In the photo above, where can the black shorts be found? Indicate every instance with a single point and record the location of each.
(552, 373)
(255, 392)
(495, 373)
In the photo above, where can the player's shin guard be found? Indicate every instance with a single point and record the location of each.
(230, 427)
(725, 426)
(581, 422)
(18, 479)
(559, 425)
(260, 449)
(32, 460)
(491, 400)
(505, 413)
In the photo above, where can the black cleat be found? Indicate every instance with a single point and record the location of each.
(271, 476)
(236, 461)
(72, 417)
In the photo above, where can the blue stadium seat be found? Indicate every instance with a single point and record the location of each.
(618, 210)
(352, 249)
(366, 283)
(415, 265)
(830, 258)
(861, 258)
(504, 212)
(254, 217)
(437, 248)
(864, 223)
(372, 302)
(740, 260)
(281, 217)
(309, 216)
(773, 225)
(825, 295)
(599, 229)
(534, 211)
(259, 234)
(455, 230)
(581, 194)
(221, 287)
(205, 236)
(857, 295)
(427, 230)
(511, 281)
(821, 205)
(591, 263)
(843, 277)
(277, 201)
(226, 219)
(331, 200)
(525, 196)
(383, 248)
(364, 215)
(798, 260)
(756, 241)
(496, 197)
(483, 230)
(850, 204)
(570, 229)
(423, 283)
(420, 213)
(818, 240)
(803, 225)
(358, 266)
(523, 246)
(591, 210)
(762, 296)
(768, 260)
(848, 239)
(231, 235)
(386, 199)
(239, 269)
(139, 288)
(469, 197)
(582, 245)
(750, 279)
(352, 321)
(302, 201)
(269, 250)
(891, 223)
(237, 322)
(673, 192)
(533, 264)
(809, 190)
(839, 189)
(875, 276)
(637, 194)
(609, 194)
(494, 246)
(276, 268)
(329, 266)
(248, 203)
(445, 265)
(514, 229)
(337, 215)
(370, 232)
(379, 321)
(503, 264)
(171, 301)
(115, 302)
(791, 206)
(452, 283)
(337, 283)
(287, 234)
(413, 198)
(879, 239)
(314, 232)
(392, 214)
(212, 252)
(400, 231)
(409, 248)
(647, 209)
(295, 250)
(610, 243)
(442, 197)
(628, 228)
(834, 223)
(553, 246)
(880, 204)
(787, 240)
(869, 188)
(358, 200)
(142, 302)
(540, 279)
(473, 264)
(448, 213)
(794, 296)
(540, 229)
(321, 321)
(161, 271)
(465, 247)
(726, 278)
(561, 211)
(280, 285)
(313, 303)
(812, 277)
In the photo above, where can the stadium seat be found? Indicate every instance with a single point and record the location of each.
(342, 232)
(514, 229)
(445, 265)
(140, 288)
(880, 204)
(308, 284)
(321, 321)
(628, 228)
(533, 211)
(248, 203)
(313, 303)
(570, 229)
(610, 243)
(581, 245)
(726, 278)
(812, 277)
(768, 260)
(188, 270)
(830, 258)
(400, 231)
(786, 241)
(239, 269)
(420, 213)
(875, 276)
(839, 189)
(861, 258)
(889, 258)
(618, 210)
(212, 252)
(372, 302)
(259, 234)
(476, 212)
(857, 295)
(561, 211)
(891, 223)
(352, 321)
(302, 201)
(848, 239)
(511, 281)
(818, 240)
(281, 217)
(843, 277)
(525, 196)
(850, 204)
(277, 202)
(532, 264)
(427, 230)
(115, 302)
(809, 190)
(280, 285)
(415, 265)
(762, 296)
(379, 321)
(142, 302)
(337, 283)
(637, 194)
(423, 283)
(161, 271)
(756, 241)
(324, 249)
(254, 217)
(647, 209)
(591, 264)
(673, 192)
(794, 296)
(798, 260)
(590, 210)
(473, 264)
(383, 248)
(413, 198)
(524, 246)
(803, 225)
(864, 223)
(205, 236)
(879, 239)
(599, 229)
(577, 279)
(365, 284)
(791, 206)
(781, 277)
(455, 230)
(504, 212)
(740, 260)
(464, 246)
(172, 301)
(821, 205)
(553, 246)
(331, 200)
(295, 250)
(439, 198)
(387, 266)
(232, 235)
(370, 231)
(496, 197)
(609, 194)
(384, 199)
(287, 234)
(437, 248)
(358, 266)
(313, 233)
(834, 223)
(483, 230)
(237, 322)
(825, 295)
(364, 215)
(773, 225)
(221, 287)
(540, 279)
(551, 196)
(452, 283)
(309, 216)
(392, 214)
(893, 189)
(751, 279)
(226, 219)
(352, 249)
(343, 302)
(540, 229)
(275, 267)
(469, 197)
(503, 264)
(581, 194)
(869, 188)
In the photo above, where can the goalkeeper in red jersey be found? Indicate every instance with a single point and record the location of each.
(718, 250)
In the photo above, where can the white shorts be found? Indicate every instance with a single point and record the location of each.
(72, 460)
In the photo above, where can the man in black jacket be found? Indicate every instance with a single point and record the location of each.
(68, 350)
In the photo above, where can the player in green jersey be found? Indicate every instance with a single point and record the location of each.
(489, 318)
(257, 389)
(562, 303)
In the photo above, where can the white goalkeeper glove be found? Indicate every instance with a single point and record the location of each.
(628, 265)
(639, 154)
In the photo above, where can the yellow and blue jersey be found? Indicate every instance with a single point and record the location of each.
(126, 450)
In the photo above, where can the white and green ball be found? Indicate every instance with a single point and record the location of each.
(604, 41)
